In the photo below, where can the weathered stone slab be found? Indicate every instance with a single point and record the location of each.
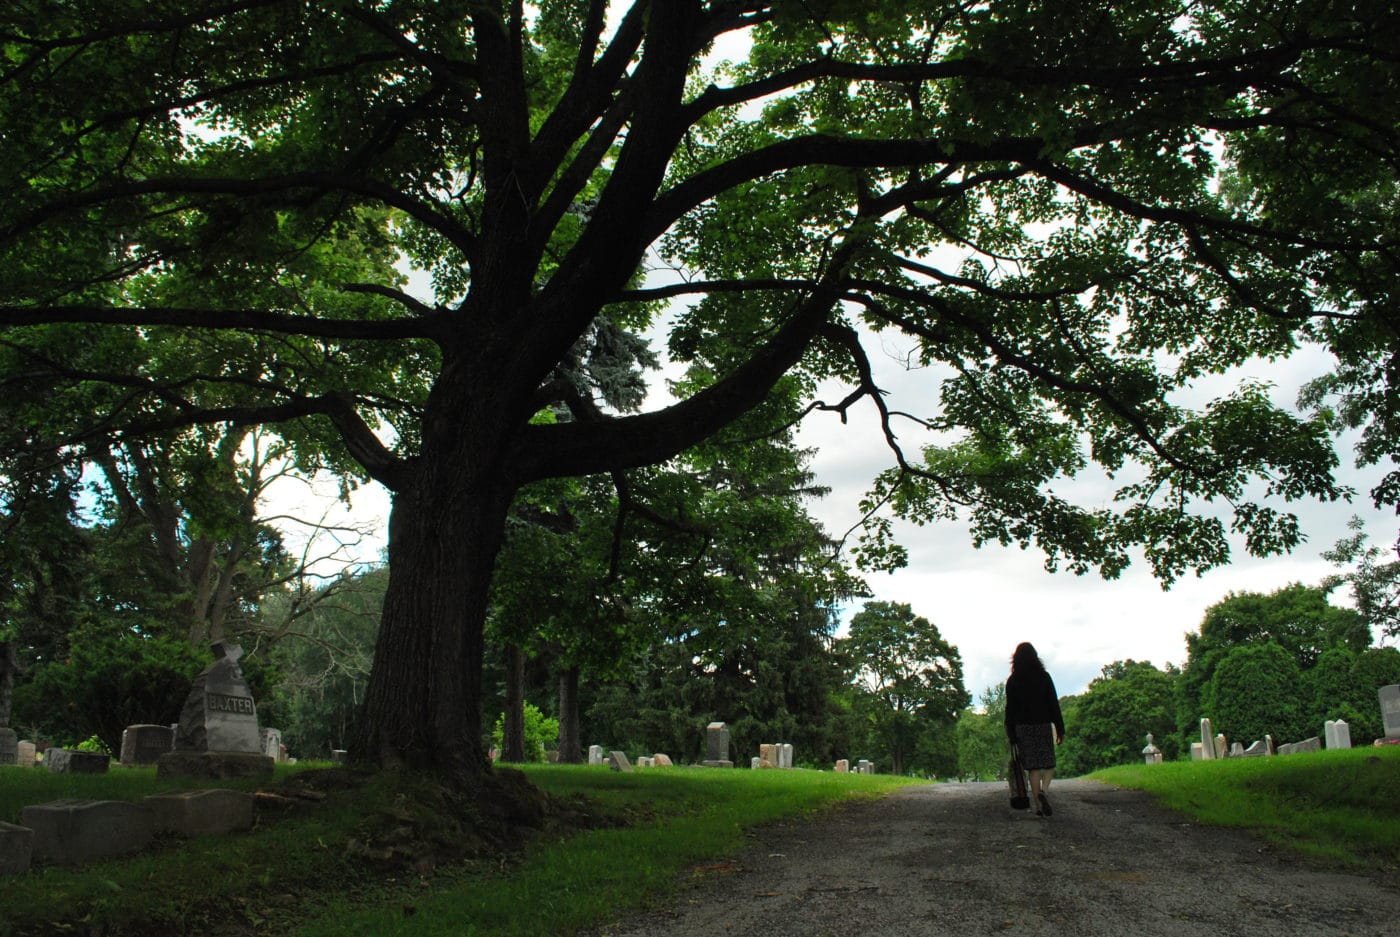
(68, 832)
(66, 761)
(1390, 709)
(1207, 740)
(9, 746)
(767, 756)
(843, 766)
(202, 812)
(16, 848)
(1257, 750)
(339, 755)
(662, 761)
(618, 762)
(1336, 734)
(1313, 744)
(596, 754)
(270, 741)
(24, 753)
(217, 766)
(144, 744)
(785, 755)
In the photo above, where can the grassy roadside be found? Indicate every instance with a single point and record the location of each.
(1341, 807)
(393, 855)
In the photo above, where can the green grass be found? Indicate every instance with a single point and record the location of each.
(1341, 807)
(295, 875)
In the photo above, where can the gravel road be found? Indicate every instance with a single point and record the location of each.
(954, 860)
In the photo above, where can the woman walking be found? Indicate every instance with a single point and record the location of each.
(1033, 721)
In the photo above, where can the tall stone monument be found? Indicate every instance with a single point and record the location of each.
(717, 746)
(9, 746)
(1390, 710)
(217, 736)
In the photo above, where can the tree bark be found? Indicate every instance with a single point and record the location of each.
(8, 666)
(570, 746)
(513, 737)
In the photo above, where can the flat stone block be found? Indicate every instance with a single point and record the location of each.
(68, 832)
(214, 765)
(197, 813)
(618, 762)
(66, 761)
(16, 846)
(144, 744)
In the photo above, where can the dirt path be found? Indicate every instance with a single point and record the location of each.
(954, 860)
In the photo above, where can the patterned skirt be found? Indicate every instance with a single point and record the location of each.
(1036, 744)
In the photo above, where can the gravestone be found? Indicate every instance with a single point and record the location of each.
(217, 736)
(843, 766)
(785, 755)
(644, 761)
(68, 832)
(1313, 744)
(16, 847)
(1198, 751)
(339, 755)
(9, 746)
(865, 766)
(270, 744)
(618, 762)
(1221, 747)
(1390, 710)
(756, 762)
(201, 812)
(65, 761)
(1236, 750)
(662, 761)
(1151, 754)
(144, 744)
(717, 746)
(1207, 740)
(595, 754)
(24, 753)
(1336, 734)
(1258, 749)
(767, 756)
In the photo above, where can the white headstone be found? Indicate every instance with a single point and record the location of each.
(1198, 751)
(1336, 734)
(595, 754)
(1151, 754)
(785, 755)
(1207, 739)
(1390, 709)
(1221, 747)
(843, 766)
(24, 753)
(756, 762)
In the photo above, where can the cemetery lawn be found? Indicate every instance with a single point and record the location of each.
(1341, 807)
(334, 853)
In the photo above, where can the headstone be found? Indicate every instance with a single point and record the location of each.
(201, 812)
(144, 744)
(217, 736)
(843, 766)
(1390, 710)
(16, 847)
(1313, 744)
(1198, 751)
(1257, 749)
(618, 762)
(65, 761)
(1287, 748)
(24, 753)
(595, 754)
(219, 714)
(1151, 754)
(339, 755)
(785, 755)
(1339, 735)
(270, 744)
(1221, 747)
(662, 761)
(552, 756)
(767, 756)
(9, 746)
(1207, 740)
(68, 832)
(717, 746)
(1269, 747)
(865, 766)
(756, 762)
(644, 761)
(1236, 750)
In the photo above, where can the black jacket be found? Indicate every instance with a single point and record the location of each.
(1031, 700)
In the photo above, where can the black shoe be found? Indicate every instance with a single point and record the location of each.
(1044, 806)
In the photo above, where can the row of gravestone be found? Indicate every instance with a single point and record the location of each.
(217, 735)
(777, 755)
(72, 832)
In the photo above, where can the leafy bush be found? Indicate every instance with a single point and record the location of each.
(540, 731)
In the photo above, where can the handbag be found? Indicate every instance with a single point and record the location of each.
(1016, 777)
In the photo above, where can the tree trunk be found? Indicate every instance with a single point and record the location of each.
(570, 746)
(8, 666)
(422, 706)
(513, 737)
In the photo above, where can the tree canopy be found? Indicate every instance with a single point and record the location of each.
(1076, 210)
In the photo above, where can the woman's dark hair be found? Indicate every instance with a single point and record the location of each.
(1026, 660)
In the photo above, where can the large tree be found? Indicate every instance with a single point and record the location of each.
(1031, 190)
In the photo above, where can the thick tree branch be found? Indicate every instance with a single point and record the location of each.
(311, 326)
